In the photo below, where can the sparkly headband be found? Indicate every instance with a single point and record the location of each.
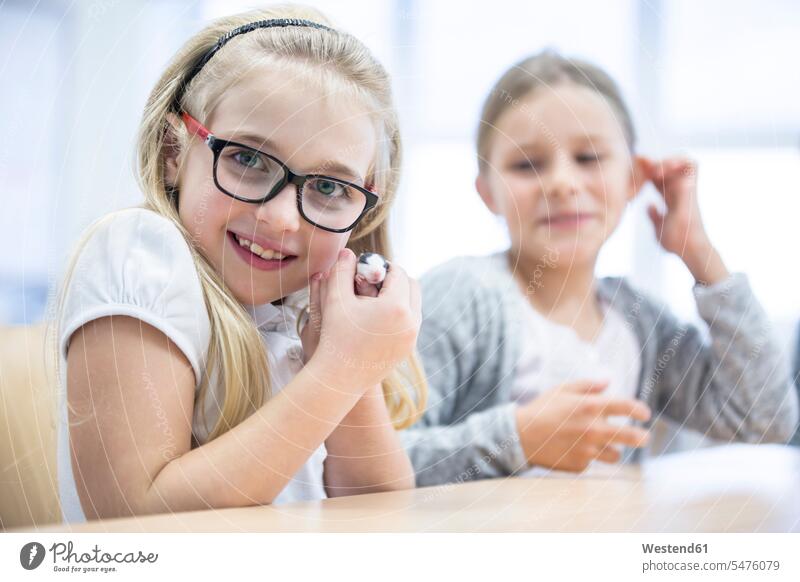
(275, 22)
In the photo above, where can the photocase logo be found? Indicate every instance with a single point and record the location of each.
(31, 555)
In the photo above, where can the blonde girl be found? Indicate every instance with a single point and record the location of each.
(534, 361)
(268, 155)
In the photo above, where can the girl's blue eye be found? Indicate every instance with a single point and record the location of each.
(328, 187)
(249, 160)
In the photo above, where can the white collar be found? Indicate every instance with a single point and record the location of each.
(280, 318)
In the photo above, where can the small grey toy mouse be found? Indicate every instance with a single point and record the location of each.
(371, 270)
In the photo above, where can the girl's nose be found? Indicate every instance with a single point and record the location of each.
(281, 213)
(563, 178)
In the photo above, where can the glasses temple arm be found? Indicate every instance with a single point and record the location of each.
(195, 127)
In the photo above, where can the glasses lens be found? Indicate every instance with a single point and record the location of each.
(332, 204)
(247, 173)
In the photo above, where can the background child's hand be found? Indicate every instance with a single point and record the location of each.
(680, 229)
(355, 341)
(567, 427)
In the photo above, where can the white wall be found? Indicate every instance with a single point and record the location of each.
(76, 75)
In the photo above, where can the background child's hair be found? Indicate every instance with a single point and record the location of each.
(343, 66)
(547, 69)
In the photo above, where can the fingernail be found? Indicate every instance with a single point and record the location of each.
(316, 276)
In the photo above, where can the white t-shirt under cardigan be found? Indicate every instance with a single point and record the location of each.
(552, 354)
(136, 263)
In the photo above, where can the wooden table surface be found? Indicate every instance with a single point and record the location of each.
(737, 488)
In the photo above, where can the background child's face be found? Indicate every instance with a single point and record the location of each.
(311, 134)
(560, 173)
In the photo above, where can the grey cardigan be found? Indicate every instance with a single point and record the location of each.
(735, 387)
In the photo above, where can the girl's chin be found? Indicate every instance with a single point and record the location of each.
(258, 293)
(560, 253)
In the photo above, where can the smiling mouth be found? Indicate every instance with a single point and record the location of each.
(256, 254)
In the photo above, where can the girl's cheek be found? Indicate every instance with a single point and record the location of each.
(200, 207)
(524, 198)
(616, 199)
(323, 249)
(207, 218)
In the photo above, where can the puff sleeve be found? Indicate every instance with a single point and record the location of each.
(136, 263)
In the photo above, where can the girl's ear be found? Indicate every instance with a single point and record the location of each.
(641, 170)
(482, 186)
(171, 150)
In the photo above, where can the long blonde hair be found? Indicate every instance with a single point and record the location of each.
(237, 356)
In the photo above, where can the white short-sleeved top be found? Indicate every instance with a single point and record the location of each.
(137, 263)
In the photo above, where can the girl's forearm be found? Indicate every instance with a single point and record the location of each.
(706, 265)
(252, 463)
(364, 453)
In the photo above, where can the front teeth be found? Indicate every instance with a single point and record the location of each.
(256, 248)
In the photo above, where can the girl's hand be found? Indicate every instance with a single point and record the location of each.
(309, 335)
(566, 428)
(360, 339)
(680, 230)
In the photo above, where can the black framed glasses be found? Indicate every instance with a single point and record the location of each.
(250, 175)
